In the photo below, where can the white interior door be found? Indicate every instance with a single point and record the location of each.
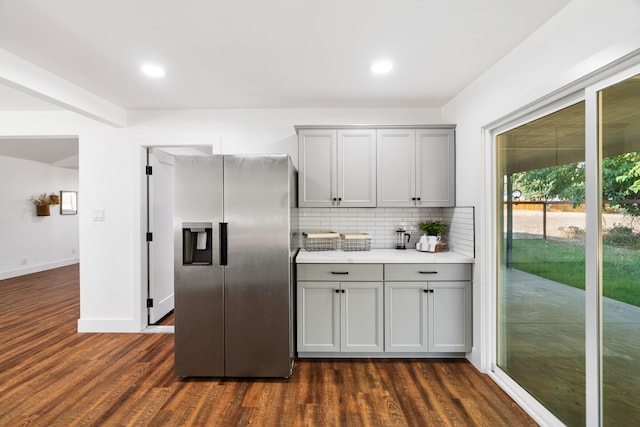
(161, 226)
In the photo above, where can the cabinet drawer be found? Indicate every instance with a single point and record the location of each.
(427, 272)
(340, 272)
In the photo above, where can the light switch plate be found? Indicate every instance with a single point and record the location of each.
(98, 215)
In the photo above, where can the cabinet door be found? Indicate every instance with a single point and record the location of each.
(405, 322)
(356, 168)
(317, 167)
(435, 170)
(318, 316)
(449, 311)
(396, 168)
(362, 317)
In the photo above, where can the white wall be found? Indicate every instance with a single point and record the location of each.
(112, 271)
(31, 243)
(585, 36)
(258, 130)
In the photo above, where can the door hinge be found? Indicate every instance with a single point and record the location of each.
(149, 302)
(148, 170)
(149, 237)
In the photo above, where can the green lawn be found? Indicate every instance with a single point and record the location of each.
(564, 263)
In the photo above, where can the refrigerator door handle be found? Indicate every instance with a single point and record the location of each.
(223, 243)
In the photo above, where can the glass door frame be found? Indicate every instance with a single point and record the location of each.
(585, 89)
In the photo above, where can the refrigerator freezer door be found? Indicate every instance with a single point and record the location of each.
(199, 310)
(257, 276)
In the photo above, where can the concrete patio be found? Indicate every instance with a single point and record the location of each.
(543, 322)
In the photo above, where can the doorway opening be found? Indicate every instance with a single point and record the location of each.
(37, 167)
(159, 199)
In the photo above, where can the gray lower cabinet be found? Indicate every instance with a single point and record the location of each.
(419, 308)
(340, 308)
(428, 308)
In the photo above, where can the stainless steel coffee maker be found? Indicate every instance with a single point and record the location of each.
(401, 235)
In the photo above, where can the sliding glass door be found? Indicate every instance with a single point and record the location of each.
(568, 256)
(541, 276)
(619, 138)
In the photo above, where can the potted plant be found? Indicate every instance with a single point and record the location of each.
(433, 228)
(42, 203)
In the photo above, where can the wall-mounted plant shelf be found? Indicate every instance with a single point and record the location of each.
(42, 203)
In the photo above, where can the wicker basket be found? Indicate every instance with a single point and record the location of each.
(42, 210)
(355, 242)
(441, 247)
(321, 241)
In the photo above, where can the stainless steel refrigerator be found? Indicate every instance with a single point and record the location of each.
(233, 233)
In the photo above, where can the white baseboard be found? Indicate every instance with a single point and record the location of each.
(37, 268)
(159, 329)
(108, 325)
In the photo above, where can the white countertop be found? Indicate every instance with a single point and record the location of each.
(380, 256)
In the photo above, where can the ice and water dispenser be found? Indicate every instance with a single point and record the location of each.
(196, 243)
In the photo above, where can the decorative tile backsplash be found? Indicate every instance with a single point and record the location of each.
(461, 222)
(381, 224)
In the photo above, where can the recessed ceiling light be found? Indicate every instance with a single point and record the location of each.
(381, 67)
(153, 70)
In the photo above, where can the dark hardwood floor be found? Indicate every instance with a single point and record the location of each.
(50, 375)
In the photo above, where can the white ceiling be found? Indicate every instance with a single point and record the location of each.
(59, 151)
(256, 54)
(275, 54)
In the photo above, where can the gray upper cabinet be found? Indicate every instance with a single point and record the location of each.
(384, 166)
(317, 168)
(396, 167)
(416, 167)
(435, 168)
(337, 168)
